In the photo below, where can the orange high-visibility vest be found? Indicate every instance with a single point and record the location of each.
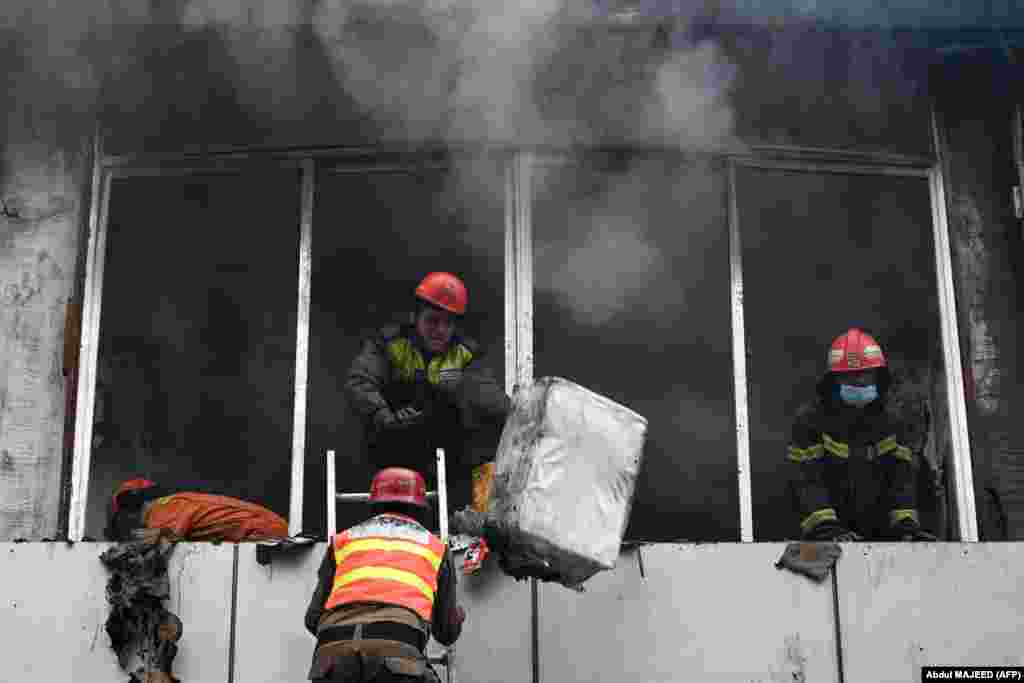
(388, 559)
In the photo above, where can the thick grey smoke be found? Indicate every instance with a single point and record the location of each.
(456, 70)
(447, 69)
(441, 69)
(610, 266)
(262, 38)
(627, 242)
(490, 70)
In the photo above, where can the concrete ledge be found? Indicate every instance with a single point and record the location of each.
(55, 607)
(907, 606)
(721, 612)
(272, 643)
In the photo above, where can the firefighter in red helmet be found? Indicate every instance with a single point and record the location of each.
(384, 587)
(422, 385)
(853, 472)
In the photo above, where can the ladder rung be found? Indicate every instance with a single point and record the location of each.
(364, 497)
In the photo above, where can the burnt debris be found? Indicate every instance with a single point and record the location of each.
(143, 633)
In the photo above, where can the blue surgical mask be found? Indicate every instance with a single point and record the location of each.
(857, 396)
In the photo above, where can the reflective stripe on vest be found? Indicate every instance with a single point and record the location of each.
(387, 560)
(836, 448)
(817, 517)
(407, 359)
(897, 516)
(806, 454)
(897, 450)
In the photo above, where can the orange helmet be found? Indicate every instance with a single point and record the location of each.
(444, 290)
(130, 485)
(399, 485)
(855, 350)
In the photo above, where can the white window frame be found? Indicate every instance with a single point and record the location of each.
(869, 165)
(519, 165)
(105, 170)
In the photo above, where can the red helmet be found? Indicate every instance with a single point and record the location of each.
(130, 485)
(444, 290)
(855, 350)
(399, 485)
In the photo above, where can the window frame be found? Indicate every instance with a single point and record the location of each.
(519, 164)
(869, 165)
(105, 170)
(1018, 156)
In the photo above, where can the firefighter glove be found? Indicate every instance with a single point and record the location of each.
(386, 419)
(909, 530)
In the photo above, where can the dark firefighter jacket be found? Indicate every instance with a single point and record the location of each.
(399, 657)
(394, 370)
(851, 466)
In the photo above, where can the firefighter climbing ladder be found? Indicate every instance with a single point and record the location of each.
(447, 657)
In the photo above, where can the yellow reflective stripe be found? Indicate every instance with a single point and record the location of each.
(387, 574)
(390, 546)
(805, 454)
(897, 516)
(462, 356)
(406, 359)
(817, 517)
(836, 448)
(456, 357)
(891, 445)
(886, 445)
(903, 453)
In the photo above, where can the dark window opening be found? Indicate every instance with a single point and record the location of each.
(822, 254)
(376, 234)
(196, 363)
(631, 300)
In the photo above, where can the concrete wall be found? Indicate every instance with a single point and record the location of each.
(41, 189)
(54, 606)
(976, 97)
(721, 612)
(272, 644)
(906, 606)
(46, 120)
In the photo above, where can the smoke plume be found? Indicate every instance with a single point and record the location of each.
(629, 242)
(449, 70)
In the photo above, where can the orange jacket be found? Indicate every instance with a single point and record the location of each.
(209, 517)
(389, 559)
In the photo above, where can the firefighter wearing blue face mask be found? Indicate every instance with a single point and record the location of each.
(853, 471)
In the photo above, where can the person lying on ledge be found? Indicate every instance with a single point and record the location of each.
(142, 510)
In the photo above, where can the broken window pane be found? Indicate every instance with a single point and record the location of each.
(197, 339)
(823, 253)
(375, 236)
(631, 301)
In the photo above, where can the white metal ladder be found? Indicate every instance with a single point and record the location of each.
(447, 657)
